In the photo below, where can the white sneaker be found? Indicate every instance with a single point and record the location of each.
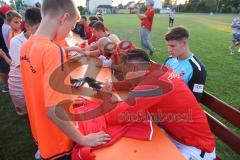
(231, 52)
(239, 50)
(37, 155)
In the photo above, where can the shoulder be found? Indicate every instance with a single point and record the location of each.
(196, 64)
(169, 59)
(18, 39)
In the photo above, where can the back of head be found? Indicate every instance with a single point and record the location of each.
(84, 18)
(99, 26)
(177, 33)
(12, 14)
(114, 38)
(92, 23)
(55, 8)
(93, 18)
(100, 18)
(33, 16)
(138, 55)
(102, 42)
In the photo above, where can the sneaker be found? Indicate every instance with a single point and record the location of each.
(37, 155)
(231, 52)
(5, 89)
(239, 51)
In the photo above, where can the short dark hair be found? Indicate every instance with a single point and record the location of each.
(135, 54)
(99, 26)
(33, 16)
(84, 17)
(93, 18)
(100, 18)
(92, 23)
(177, 33)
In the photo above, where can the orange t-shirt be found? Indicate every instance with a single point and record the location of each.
(62, 43)
(39, 59)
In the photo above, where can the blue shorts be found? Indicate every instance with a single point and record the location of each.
(236, 37)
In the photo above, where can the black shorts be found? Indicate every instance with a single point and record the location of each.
(171, 20)
(4, 67)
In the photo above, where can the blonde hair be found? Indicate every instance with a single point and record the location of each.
(102, 42)
(56, 7)
(12, 14)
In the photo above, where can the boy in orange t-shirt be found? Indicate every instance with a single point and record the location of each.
(41, 59)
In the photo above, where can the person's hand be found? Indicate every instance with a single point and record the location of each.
(96, 139)
(2, 53)
(73, 49)
(107, 87)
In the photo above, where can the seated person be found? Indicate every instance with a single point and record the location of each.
(106, 59)
(93, 49)
(184, 62)
(156, 89)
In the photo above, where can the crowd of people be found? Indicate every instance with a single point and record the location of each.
(31, 53)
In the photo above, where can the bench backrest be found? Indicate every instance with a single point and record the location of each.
(229, 113)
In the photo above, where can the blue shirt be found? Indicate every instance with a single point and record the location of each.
(182, 67)
(192, 71)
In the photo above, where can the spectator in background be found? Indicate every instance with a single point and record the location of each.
(183, 61)
(93, 18)
(236, 35)
(171, 17)
(5, 28)
(32, 21)
(146, 27)
(14, 20)
(79, 29)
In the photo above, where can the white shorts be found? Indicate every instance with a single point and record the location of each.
(192, 153)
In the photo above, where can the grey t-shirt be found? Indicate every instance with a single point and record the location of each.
(6, 29)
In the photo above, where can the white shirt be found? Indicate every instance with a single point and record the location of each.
(15, 79)
(172, 14)
(6, 29)
(106, 62)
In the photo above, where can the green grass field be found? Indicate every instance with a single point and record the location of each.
(210, 41)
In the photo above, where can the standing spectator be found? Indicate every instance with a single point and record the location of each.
(146, 26)
(171, 17)
(236, 34)
(33, 19)
(5, 28)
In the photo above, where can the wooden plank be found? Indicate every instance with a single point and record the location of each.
(224, 133)
(223, 109)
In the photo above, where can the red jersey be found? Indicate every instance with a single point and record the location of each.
(161, 92)
(147, 22)
(141, 130)
(176, 107)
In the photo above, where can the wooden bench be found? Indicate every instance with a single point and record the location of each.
(227, 112)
